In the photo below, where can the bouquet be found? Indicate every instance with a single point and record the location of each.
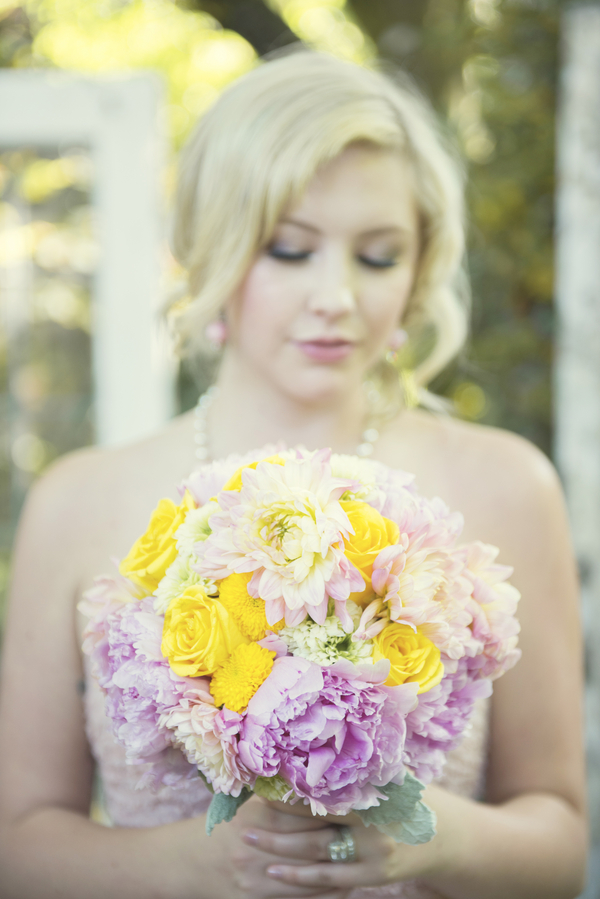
(306, 627)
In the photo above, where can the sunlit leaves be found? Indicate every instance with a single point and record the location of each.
(194, 54)
(327, 25)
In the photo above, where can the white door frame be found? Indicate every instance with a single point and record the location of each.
(577, 369)
(119, 120)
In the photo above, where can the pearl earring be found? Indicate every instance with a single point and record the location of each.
(216, 334)
(395, 343)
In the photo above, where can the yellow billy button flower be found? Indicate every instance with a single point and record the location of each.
(199, 634)
(151, 555)
(235, 481)
(237, 680)
(413, 657)
(247, 612)
(372, 533)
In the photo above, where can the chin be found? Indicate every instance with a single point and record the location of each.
(319, 385)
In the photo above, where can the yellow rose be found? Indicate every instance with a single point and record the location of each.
(199, 634)
(372, 533)
(151, 555)
(235, 481)
(414, 658)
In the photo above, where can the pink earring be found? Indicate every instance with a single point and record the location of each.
(395, 343)
(398, 339)
(216, 334)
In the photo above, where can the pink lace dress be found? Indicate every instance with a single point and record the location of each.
(121, 804)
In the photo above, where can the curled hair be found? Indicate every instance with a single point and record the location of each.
(252, 156)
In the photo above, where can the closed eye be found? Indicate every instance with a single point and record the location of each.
(377, 263)
(286, 256)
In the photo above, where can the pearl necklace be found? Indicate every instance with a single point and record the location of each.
(365, 448)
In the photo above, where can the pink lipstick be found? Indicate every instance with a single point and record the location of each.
(325, 350)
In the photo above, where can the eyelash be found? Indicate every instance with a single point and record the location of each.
(302, 257)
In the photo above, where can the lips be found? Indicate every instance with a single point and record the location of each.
(325, 349)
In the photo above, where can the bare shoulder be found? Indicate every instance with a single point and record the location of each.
(492, 452)
(92, 504)
(499, 480)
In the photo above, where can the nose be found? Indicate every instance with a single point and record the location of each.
(332, 300)
(333, 293)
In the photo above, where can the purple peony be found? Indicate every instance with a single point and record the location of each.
(123, 642)
(437, 724)
(334, 734)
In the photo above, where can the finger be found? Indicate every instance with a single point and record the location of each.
(337, 876)
(252, 880)
(337, 894)
(309, 845)
(268, 817)
(299, 810)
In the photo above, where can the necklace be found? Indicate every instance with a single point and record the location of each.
(365, 448)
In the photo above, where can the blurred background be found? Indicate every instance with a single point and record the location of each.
(492, 69)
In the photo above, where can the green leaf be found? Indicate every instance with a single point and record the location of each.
(402, 816)
(223, 808)
(274, 788)
(401, 801)
(419, 828)
(207, 783)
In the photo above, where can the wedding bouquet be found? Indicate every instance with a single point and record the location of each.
(302, 626)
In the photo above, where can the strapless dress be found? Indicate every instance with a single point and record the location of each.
(120, 803)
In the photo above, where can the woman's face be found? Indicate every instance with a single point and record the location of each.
(318, 306)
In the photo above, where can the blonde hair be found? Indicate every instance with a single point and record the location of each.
(253, 154)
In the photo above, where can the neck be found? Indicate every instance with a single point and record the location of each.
(250, 412)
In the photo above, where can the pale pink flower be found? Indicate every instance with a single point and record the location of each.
(209, 479)
(426, 589)
(428, 524)
(371, 623)
(285, 525)
(493, 604)
(409, 582)
(208, 736)
(106, 596)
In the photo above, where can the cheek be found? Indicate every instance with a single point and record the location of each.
(262, 309)
(384, 305)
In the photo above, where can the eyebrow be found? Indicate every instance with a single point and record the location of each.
(370, 233)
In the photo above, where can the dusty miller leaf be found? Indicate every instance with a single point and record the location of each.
(223, 808)
(207, 783)
(399, 805)
(402, 816)
(419, 828)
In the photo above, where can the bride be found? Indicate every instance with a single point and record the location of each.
(319, 219)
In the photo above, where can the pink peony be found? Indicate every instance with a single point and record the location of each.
(123, 642)
(437, 724)
(334, 734)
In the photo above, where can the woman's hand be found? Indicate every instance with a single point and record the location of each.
(298, 857)
(239, 861)
(302, 859)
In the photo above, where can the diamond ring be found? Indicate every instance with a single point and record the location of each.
(343, 849)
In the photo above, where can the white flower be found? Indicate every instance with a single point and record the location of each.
(195, 528)
(178, 577)
(364, 473)
(287, 526)
(326, 643)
